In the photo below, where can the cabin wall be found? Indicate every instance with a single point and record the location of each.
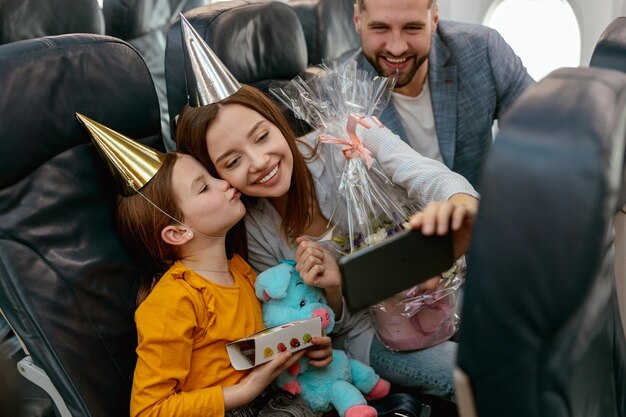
(593, 17)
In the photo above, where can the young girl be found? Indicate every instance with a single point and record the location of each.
(203, 301)
(289, 188)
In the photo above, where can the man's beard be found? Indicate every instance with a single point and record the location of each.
(405, 77)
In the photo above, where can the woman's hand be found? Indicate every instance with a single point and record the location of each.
(321, 353)
(316, 266)
(456, 214)
(258, 379)
(319, 268)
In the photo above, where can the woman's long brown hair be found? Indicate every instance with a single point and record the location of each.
(191, 129)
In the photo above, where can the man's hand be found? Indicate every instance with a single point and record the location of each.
(456, 214)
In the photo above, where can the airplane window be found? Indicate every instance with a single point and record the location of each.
(543, 33)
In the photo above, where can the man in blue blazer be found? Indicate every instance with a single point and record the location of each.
(454, 79)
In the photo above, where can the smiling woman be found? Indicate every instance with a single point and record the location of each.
(256, 157)
(291, 191)
(193, 128)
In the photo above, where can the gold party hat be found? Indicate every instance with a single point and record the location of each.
(208, 79)
(131, 162)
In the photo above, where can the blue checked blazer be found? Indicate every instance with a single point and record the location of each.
(474, 76)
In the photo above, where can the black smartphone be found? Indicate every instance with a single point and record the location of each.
(393, 265)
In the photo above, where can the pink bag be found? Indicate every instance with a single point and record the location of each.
(416, 319)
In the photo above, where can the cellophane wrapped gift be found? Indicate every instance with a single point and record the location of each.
(418, 318)
(339, 103)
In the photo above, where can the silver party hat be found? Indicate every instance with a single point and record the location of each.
(208, 80)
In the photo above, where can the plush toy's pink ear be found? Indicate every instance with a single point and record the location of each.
(273, 282)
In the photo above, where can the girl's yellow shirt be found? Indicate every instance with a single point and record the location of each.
(183, 327)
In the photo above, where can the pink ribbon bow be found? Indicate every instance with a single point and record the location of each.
(354, 147)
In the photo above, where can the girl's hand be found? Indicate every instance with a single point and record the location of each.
(321, 353)
(439, 217)
(263, 375)
(258, 379)
(316, 266)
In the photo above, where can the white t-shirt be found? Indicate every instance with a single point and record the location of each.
(416, 115)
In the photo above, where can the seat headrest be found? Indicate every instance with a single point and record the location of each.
(47, 80)
(66, 284)
(539, 299)
(28, 19)
(328, 28)
(130, 19)
(144, 24)
(249, 38)
(610, 50)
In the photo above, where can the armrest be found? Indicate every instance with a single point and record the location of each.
(37, 376)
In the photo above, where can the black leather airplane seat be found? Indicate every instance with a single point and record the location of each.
(610, 50)
(66, 284)
(259, 42)
(134, 19)
(144, 24)
(328, 28)
(28, 19)
(541, 333)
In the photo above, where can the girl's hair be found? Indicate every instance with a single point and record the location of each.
(191, 129)
(140, 224)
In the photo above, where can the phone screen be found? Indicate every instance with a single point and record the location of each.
(393, 265)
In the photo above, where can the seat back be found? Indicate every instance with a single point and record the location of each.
(134, 19)
(144, 24)
(28, 19)
(67, 286)
(249, 38)
(328, 28)
(541, 332)
(610, 52)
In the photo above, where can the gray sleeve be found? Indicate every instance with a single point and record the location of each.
(509, 74)
(424, 178)
(346, 322)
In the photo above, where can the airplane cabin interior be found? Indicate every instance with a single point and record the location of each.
(543, 314)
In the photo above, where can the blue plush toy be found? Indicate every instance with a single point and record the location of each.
(285, 298)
